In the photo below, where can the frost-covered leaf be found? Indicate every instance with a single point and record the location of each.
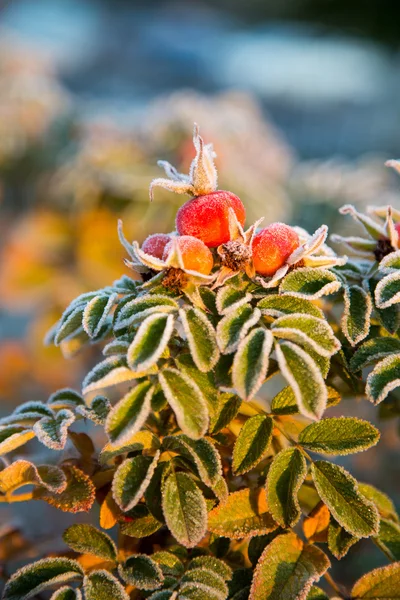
(204, 580)
(142, 572)
(245, 513)
(250, 365)
(317, 594)
(22, 472)
(388, 538)
(201, 452)
(34, 578)
(65, 398)
(169, 563)
(164, 595)
(339, 435)
(284, 403)
(187, 402)
(98, 410)
(390, 262)
(67, 593)
(287, 569)
(53, 431)
(201, 337)
(116, 347)
(111, 371)
(86, 539)
(96, 312)
(69, 326)
(382, 502)
(388, 317)
(137, 310)
(384, 378)
(131, 480)
(150, 341)
(78, 496)
(102, 585)
(387, 292)
(373, 350)
(339, 490)
(285, 477)
(129, 414)
(184, 509)
(303, 375)
(229, 298)
(339, 540)
(356, 318)
(277, 306)
(141, 441)
(307, 331)
(213, 564)
(379, 584)
(233, 327)
(14, 436)
(228, 407)
(310, 283)
(34, 407)
(252, 443)
(204, 381)
(141, 526)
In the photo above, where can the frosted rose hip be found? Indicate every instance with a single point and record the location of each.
(272, 246)
(207, 217)
(155, 244)
(195, 254)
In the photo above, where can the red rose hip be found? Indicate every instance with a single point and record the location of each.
(195, 254)
(207, 217)
(155, 244)
(272, 246)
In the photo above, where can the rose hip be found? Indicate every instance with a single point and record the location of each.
(195, 254)
(272, 246)
(155, 244)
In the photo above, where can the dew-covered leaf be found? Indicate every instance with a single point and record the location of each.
(14, 436)
(387, 291)
(303, 375)
(373, 350)
(67, 593)
(96, 312)
(78, 496)
(40, 575)
(184, 509)
(130, 414)
(201, 452)
(252, 443)
(204, 381)
(204, 580)
(65, 398)
(339, 435)
(142, 572)
(150, 341)
(277, 306)
(284, 403)
(229, 298)
(131, 480)
(187, 402)
(339, 491)
(384, 378)
(245, 513)
(116, 347)
(380, 584)
(233, 327)
(357, 314)
(227, 409)
(250, 365)
(102, 585)
(137, 310)
(308, 331)
(201, 337)
(310, 283)
(339, 540)
(98, 410)
(109, 372)
(53, 431)
(86, 539)
(287, 569)
(285, 477)
(382, 502)
(169, 563)
(213, 564)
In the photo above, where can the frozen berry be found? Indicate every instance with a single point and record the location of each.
(155, 244)
(195, 254)
(207, 217)
(272, 246)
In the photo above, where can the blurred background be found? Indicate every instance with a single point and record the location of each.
(301, 99)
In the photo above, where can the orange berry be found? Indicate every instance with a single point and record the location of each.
(272, 246)
(155, 244)
(195, 254)
(206, 217)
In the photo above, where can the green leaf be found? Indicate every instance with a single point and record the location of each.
(388, 538)
(226, 411)
(22, 472)
(142, 526)
(379, 584)
(339, 435)
(116, 347)
(303, 375)
(169, 563)
(111, 371)
(356, 318)
(150, 341)
(201, 452)
(96, 313)
(307, 331)
(137, 310)
(384, 378)
(98, 410)
(67, 593)
(130, 414)
(339, 540)
(373, 350)
(317, 594)
(53, 431)
(131, 480)
(184, 509)
(14, 436)
(277, 306)
(142, 440)
(233, 327)
(250, 365)
(285, 477)
(284, 403)
(388, 317)
(245, 513)
(201, 337)
(65, 398)
(382, 502)
(101, 585)
(387, 292)
(310, 283)
(252, 443)
(86, 539)
(78, 496)
(390, 263)
(287, 569)
(187, 402)
(230, 298)
(69, 326)
(164, 594)
(40, 575)
(204, 580)
(213, 564)
(339, 491)
(142, 572)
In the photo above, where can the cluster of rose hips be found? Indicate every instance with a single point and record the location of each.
(204, 222)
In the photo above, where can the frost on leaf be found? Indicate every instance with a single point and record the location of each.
(201, 337)
(372, 351)
(129, 415)
(252, 443)
(379, 584)
(22, 472)
(308, 331)
(96, 312)
(387, 292)
(137, 310)
(142, 572)
(109, 372)
(201, 452)
(285, 477)
(339, 540)
(67, 593)
(250, 365)
(277, 306)
(233, 327)
(339, 435)
(357, 314)
(383, 379)
(53, 431)
(98, 410)
(102, 585)
(14, 436)
(150, 341)
(78, 495)
(310, 283)
(65, 398)
(86, 539)
(131, 480)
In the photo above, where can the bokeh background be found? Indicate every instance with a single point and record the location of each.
(301, 99)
